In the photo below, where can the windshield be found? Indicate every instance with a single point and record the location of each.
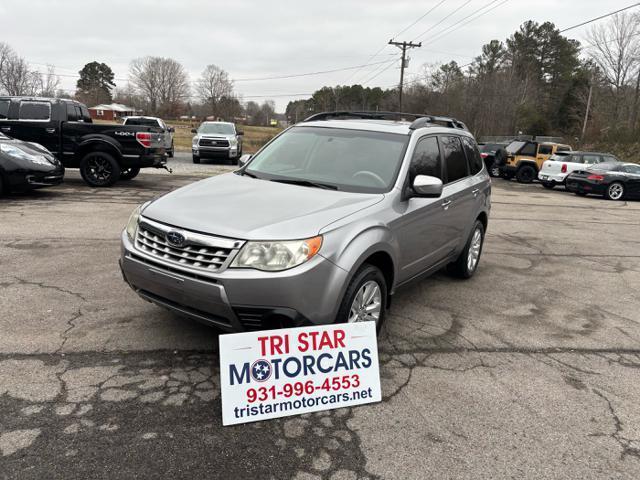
(513, 147)
(219, 128)
(349, 160)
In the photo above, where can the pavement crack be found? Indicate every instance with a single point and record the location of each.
(625, 443)
(70, 326)
(22, 281)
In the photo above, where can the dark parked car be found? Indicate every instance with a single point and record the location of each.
(615, 181)
(104, 153)
(25, 166)
(488, 152)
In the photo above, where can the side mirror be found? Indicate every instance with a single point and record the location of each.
(240, 132)
(244, 159)
(171, 129)
(193, 130)
(427, 186)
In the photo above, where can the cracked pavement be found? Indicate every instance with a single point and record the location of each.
(531, 369)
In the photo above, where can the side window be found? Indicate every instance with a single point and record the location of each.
(473, 155)
(545, 150)
(529, 150)
(72, 115)
(4, 108)
(426, 159)
(454, 159)
(86, 116)
(34, 111)
(591, 159)
(635, 169)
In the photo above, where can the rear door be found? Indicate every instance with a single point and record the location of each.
(460, 194)
(36, 124)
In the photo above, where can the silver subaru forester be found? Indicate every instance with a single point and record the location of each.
(322, 225)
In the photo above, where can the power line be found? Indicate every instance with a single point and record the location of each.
(599, 18)
(442, 20)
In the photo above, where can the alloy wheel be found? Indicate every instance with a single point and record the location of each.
(99, 169)
(367, 304)
(616, 191)
(474, 250)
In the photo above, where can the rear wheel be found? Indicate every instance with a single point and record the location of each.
(467, 263)
(99, 169)
(366, 298)
(129, 173)
(615, 191)
(549, 185)
(526, 174)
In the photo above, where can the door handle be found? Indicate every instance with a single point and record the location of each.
(50, 130)
(475, 192)
(6, 129)
(446, 204)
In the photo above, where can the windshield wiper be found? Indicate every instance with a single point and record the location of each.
(305, 183)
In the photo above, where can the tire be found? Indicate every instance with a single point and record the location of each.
(129, 173)
(99, 169)
(526, 174)
(494, 170)
(615, 191)
(549, 185)
(171, 152)
(366, 275)
(196, 159)
(463, 267)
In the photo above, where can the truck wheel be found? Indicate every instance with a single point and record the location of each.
(467, 263)
(365, 298)
(196, 159)
(129, 173)
(171, 151)
(526, 174)
(99, 169)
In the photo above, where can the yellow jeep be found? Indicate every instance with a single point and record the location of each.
(523, 159)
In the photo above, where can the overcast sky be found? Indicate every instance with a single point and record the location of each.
(253, 39)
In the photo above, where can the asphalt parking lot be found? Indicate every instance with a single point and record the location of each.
(530, 369)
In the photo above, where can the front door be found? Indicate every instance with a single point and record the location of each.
(35, 124)
(421, 227)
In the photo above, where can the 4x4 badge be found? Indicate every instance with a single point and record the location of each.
(175, 239)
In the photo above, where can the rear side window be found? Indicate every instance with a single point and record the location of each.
(529, 150)
(72, 114)
(455, 160)
(545, 149)
(4, 108)
(473, 155)
(426, 159)
(34, 111)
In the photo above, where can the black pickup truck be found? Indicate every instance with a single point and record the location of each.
(104, 153)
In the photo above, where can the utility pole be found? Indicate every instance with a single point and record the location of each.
(403, 46)
(586, 113)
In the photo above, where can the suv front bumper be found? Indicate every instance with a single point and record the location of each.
(239, 299)
(215, 152)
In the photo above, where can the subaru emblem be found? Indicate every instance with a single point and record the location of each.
(175, 239)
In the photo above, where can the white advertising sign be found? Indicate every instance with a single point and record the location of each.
(277, 373)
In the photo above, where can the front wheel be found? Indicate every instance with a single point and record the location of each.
(99, 169)
(494, 171)
(615, 191)
(129, 173)
(365, 299)
(467, 263)
(526, 174)
(196, 159)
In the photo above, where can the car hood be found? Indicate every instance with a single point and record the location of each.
(247, 208)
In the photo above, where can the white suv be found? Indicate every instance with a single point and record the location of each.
(555, 170)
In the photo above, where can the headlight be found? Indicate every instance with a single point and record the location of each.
(132, 224)
(19, 154)
(233, 142)
(194, 141)
(277, 255)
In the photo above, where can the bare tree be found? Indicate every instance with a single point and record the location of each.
(214, 85)
(163, 82)
(615, 48)
(16, 77)
(49, 82)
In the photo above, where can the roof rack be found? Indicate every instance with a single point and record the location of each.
(419, 120)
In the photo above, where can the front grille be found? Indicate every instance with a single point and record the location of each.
(213, 142)
(199, 252)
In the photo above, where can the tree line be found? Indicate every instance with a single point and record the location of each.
(156, 85)
(536, 82)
